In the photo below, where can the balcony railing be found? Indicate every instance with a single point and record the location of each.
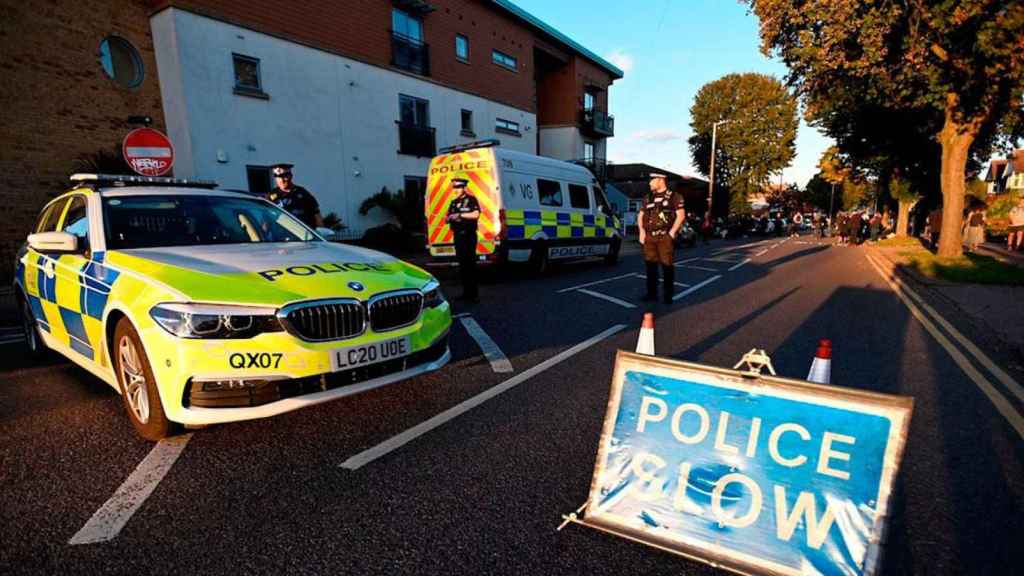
(598, 166)
(598, 122)
(410, 54)
(416, 140)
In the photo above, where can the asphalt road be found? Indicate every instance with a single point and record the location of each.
(484, 492)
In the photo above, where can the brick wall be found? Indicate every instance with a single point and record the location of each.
(57, 102)
(360, 29)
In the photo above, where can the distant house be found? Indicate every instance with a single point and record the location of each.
(1005, 174)
(626, 185)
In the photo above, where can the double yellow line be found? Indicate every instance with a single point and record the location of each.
(915, 304)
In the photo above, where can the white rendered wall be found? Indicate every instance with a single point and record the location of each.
(333, 117)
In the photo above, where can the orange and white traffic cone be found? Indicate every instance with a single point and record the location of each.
(645, 343)
(821, 367)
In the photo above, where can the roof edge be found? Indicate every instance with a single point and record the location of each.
(532, 20)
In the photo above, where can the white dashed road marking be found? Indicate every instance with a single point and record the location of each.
(499, 362)
(695, 287)
(611, 299)
(108, 521)
(595, 283)
(738, 264)
(395, 442)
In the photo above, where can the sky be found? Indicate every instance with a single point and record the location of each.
(668, 49)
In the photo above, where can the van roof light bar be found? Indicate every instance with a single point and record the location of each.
(477, 144)
(121, 180)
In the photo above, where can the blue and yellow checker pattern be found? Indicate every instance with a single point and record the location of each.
(68, 296)
(526, 224)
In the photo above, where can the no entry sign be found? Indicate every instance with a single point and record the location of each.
(149, 152)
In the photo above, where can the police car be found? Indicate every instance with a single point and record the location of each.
(202, 306)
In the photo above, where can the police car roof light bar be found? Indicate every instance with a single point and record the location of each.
(477, 144)
(120, 180)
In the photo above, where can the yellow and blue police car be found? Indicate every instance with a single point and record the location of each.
(203, 306)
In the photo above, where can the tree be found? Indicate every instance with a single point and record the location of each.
(960, 61)
(758, 140)
(902, 192)
(407, 208)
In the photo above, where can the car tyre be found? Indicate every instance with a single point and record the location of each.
(138, 385)
(30, 328)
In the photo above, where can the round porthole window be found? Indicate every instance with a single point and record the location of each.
(121, 61)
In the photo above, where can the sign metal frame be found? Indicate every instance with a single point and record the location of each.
(897, 408)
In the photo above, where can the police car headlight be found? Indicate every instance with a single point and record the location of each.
(214, 321)
(432, 295)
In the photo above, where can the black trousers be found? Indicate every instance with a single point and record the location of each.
(465, 253)
(658, 252)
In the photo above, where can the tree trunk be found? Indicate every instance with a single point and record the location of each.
(956, 138)
(903, 217)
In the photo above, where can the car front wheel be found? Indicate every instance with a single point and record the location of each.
(138, 386)
(30, 328)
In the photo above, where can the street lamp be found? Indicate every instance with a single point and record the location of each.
(711, 182)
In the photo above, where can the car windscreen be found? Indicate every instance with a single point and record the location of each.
(191, 220)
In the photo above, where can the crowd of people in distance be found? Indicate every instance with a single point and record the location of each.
(858, 226)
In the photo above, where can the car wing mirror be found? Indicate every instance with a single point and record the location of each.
(59, 242)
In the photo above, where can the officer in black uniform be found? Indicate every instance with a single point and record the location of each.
(660, 218)
(463, 213)
(295, 200)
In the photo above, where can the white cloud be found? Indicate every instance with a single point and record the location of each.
(660, 135)
(622, 60)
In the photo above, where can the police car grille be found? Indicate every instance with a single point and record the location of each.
(330, 321)
(392, 312)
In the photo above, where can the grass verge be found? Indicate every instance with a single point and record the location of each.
(969, 268)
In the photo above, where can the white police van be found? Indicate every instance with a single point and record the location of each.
(532, 208)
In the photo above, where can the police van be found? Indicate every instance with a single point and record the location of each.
(532, 209)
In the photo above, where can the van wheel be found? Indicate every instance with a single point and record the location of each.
(30, 329)
(612, 258)
(138, 386)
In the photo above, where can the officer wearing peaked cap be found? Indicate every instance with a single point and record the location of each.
(660, 218)
(295, 200)
(463, 213)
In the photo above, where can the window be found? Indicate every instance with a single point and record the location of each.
(462, 47)
(121, 62)
(504, 60)
(51, 216)
(602, 202)
(467, 123)
(184, 220)
(506, 126)
(579, 197)
(588, 150)
(406, 25)
(588, 101)
(413, 111)
(259, 179)
(247, 75)
(550, 192)
(76, 222)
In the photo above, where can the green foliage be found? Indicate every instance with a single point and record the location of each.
(819, 193)
(406, 208)
(901, 190)
(1001, 206)
(108, 161)
(333, 221)
(758, 140)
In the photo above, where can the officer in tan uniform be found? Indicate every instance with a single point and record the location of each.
(660, 218)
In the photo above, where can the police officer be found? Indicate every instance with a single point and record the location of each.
(463, 213)
(296, 200)
(660, 218)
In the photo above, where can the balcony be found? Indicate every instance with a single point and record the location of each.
(410, 54)
(416, 140)
(598, 166)
(598, 123)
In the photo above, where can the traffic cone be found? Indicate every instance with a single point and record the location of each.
(821, 367)
(645, 343)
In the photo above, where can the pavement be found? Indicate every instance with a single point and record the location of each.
(482, 490)
(1000, 252)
